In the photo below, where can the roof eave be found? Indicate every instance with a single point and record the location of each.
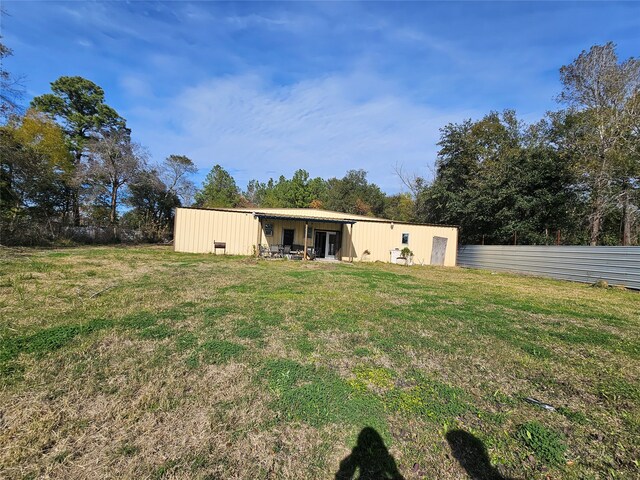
(342, 221)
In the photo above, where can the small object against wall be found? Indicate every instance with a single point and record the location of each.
(407, 255)
(221, 245)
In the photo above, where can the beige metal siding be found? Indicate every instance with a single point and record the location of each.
(196, 230)
(298, 227)
(380, 238)
(279, 226)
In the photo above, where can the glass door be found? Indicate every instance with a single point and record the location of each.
(320, 244)
(332, 238)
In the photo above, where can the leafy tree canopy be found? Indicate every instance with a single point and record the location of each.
(218, 190)
(354, 194)
(78, 105)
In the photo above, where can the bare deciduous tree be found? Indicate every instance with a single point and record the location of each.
(600, 91)
(629, 175)
(412, 181)
(113, 161)
(11, 88)
(174, 172)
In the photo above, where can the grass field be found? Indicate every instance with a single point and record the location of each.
(145, 363)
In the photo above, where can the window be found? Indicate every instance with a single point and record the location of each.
(268, 229)
(309, 232)
(405, 239)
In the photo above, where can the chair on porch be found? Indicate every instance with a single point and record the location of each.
(311, 253)
(274, 250)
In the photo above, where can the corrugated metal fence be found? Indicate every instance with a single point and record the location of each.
(616, 265)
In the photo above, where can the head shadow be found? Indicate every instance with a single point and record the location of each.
(369, 460)
(472, 455)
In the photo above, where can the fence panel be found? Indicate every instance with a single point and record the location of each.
(616, 265)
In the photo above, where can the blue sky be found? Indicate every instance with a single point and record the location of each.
(266, 88)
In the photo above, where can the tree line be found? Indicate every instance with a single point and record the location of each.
(573, 177)
(69, 160)
(352, 193)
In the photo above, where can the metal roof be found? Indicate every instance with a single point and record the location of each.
(268, 216)
(278, 213)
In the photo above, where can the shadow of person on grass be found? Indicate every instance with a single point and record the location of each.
(369, 459)
(472, 456)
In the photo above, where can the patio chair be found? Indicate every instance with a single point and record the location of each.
(274, 251)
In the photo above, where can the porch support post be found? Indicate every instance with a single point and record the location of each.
(350, 242)
(306, 230)
(259, 237)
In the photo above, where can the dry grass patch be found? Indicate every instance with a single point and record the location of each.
(144, 363)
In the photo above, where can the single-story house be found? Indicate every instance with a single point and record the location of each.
(322, 234)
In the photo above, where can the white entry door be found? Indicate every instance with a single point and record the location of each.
(331, 247)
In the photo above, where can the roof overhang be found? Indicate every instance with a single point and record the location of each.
(297, 218)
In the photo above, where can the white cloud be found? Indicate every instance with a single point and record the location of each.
(135, 86)
(326, 126)
(253, 20)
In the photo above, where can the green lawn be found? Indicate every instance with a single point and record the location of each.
(145, 363)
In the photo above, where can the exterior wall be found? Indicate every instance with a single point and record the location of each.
(379, 238)
(196, 230)
(298, 227)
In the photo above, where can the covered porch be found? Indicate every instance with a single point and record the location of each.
(303, 238)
